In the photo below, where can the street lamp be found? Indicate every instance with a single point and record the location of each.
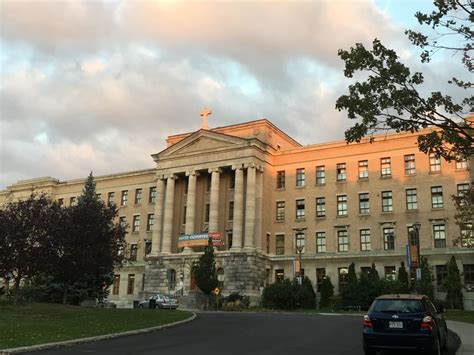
(299, 243)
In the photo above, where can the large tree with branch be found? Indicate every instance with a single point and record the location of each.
(390, 98)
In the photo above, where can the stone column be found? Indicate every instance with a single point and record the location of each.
(157, 228)
(214, 200)
(168, 215)
(190, 206)
(259, 209)
(250, 208)
(238, 208)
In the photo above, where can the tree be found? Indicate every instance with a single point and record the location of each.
(350, 292)
(327, 292)
(205, 270)
(453, 286)
(89, 248)
(390, 98)
(28, 231)
(402, 278)
(464, 204)
(425, 285)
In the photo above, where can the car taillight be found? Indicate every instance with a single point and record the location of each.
(367, 322)
(427, 323)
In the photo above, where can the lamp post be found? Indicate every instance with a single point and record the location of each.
(299, 243)
(416, 267)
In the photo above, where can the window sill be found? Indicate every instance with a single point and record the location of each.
(341, 181)
(135, 232)
(316, 185)
(385, 177)
(300, 187)
(364, 214)
(434, 172)
(280, 189)
(363, 179)
(342, 216)
(387, 212)
(320, 217)
(123, 206)
(150, 231)
(279, 221)
(437, 208)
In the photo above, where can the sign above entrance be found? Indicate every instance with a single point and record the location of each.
(200, 240)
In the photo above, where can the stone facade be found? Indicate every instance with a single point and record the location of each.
(264, 192)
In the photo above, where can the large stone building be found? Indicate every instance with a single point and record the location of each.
(268, 197)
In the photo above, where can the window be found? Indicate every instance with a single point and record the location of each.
(342, 205)
(130, 284)
(469, 277)
(462, 189)
(73, 201)
(280, 211)
(412, 199)
(364, 207)
(387, 202)
(365, 270)
(123, 221)
(99, 196)
(136, 224)
(300, 177)
(152, 195)
(281, 179)
(441, 274)
(410, 166)
(363, 169)
(390, 273)
(320, 242)
(300, 209)
(60, 201)
(229, 241)
(111, 199)
(437, 197)
(208, 211)
(320, 175)
(231, 210)
(439, 233)
(116, 285)
(320, 206)
(279, 275)
(172, 279)
(320, 275)
(147, 247)
(385, 167)
(138, 196)
(342, 241)
(232, 181)
(280, 244)
(185, 208)
(150, 222)
(341, 172)
(300, 242)
(209, 181)
(342, 273)
(365, 239)
(467, 234)
(388, 239)
(435, 163)
(461, 163)
(133, 252)
(124, 199)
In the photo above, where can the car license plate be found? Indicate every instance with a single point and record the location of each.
(395, 325)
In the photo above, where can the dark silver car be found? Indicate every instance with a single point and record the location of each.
(404, 322)
(159, 300)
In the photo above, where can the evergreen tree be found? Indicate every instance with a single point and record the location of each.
(425, 285)
(327, 292)
(350, 292)
(403, 279)
(89, 249)
(205, 270)
(374, 284)
(452, 283)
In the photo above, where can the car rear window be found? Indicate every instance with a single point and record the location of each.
(397, 306)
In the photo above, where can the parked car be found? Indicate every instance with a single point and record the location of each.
(404, 322)
(159, 300)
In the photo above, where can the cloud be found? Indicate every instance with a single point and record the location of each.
(100, 85)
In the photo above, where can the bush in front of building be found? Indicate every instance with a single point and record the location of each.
(235, 302)
(327, 292)
(453, 286)
(289, 295)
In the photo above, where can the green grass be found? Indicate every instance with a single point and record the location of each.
(45, 323)
(459, 316)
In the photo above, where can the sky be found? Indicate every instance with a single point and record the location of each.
(99, 85)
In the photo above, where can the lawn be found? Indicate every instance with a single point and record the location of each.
(459, 316)
(45, 323)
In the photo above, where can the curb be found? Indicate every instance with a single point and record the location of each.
(94, 338)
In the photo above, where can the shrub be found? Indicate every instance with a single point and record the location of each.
(327, 292)
(289, 295)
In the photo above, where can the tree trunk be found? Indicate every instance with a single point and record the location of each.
(17, 290)
(65, 295)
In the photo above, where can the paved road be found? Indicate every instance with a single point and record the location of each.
(241, 333)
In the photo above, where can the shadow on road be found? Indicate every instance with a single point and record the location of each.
(453, 345)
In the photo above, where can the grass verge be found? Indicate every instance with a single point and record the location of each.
(45, 323)
(459, 316)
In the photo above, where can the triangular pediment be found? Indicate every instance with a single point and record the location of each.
(202, 141)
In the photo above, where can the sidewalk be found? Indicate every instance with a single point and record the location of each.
(466, 333)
